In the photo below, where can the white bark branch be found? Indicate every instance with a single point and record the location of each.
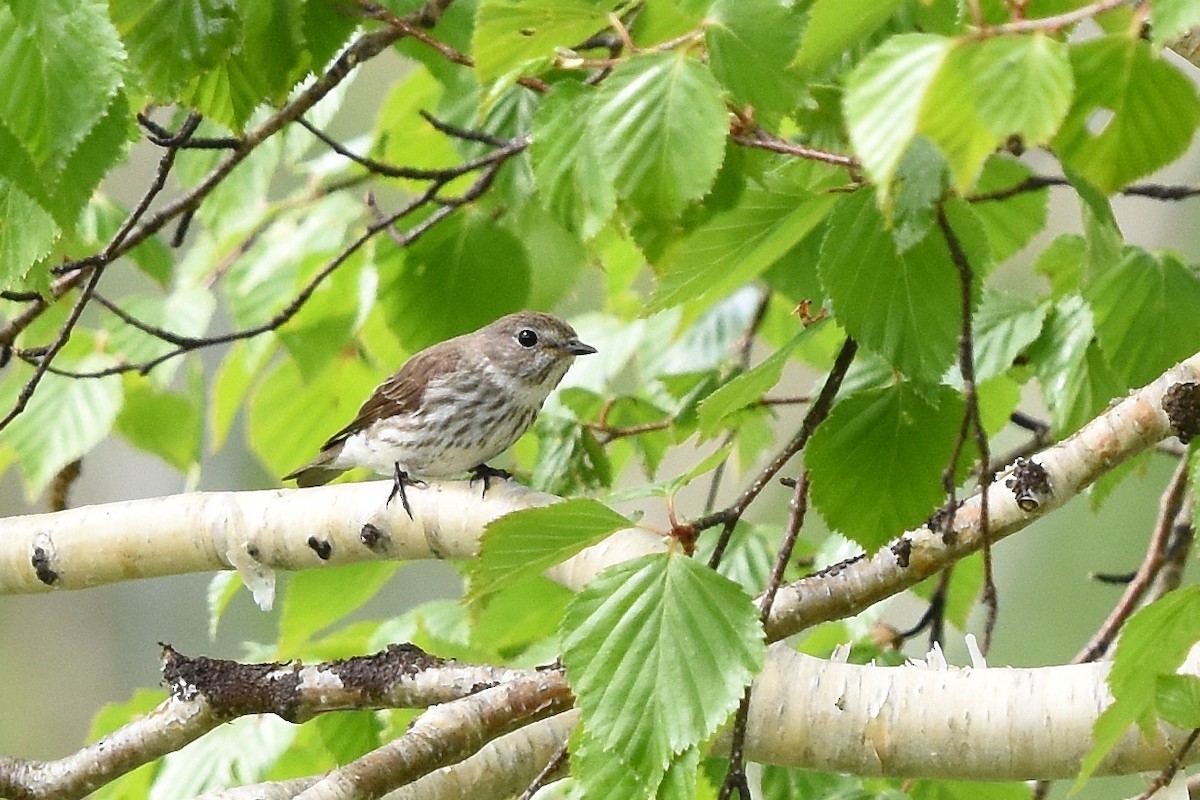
(898, 721)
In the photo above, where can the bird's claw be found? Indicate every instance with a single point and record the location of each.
(399, 479)
(485, 473)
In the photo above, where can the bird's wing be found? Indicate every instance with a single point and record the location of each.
(401, 393)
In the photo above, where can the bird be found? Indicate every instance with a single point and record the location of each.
(453, 406)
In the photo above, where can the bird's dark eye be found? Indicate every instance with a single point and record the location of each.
(527, 337)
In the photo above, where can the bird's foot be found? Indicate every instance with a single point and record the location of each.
(399, 480)
(485, 473)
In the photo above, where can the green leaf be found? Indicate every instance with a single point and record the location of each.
(950, 118)
(513, 35)
(1145, 311)
(660, 126)
(738, 245)
(316, 599)
(836, 25)
(921, 181)
(658, 651)
(571, 180)
(223, 587)
(531, 541)
(27, 235)
(273, 44)
(1010, 223)
(233, 754)
(241, 366)
(229, 93)
(1076, 379)
(186, 311)
(748, 40)
(1023, 85)
(64, 419)
(1177, 698)
(523, 616)
(1004, 326)
(1133, 112)
(88, 164)
(1062, 263)
(467, 260)
(1171, 18)
(108, 719)
(289, 418)
(904, 307)
(877, 460)
(746, 388)
(172, 41)
(884, 97)
(569, 457)
(164, 423)
(1153, 642)
(69, 60)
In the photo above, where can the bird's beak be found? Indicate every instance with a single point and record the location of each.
(577, 348)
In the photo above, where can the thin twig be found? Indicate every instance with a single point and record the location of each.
(1169, 506)
(60, 341)
(555, 763)
(972, 420)
(1054, 23)
(1172, 769)
(761, 139)
(406, 27)
(729, 515)
(735, 777)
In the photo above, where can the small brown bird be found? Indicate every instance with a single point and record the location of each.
(453, 405)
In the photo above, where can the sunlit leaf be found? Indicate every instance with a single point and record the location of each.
(658, 651)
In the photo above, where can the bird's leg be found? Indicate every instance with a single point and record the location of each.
(399, 479)
(485, 473)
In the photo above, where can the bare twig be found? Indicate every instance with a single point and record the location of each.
(1169, 507)
(735, 777)
(972, 421)
(729, 516)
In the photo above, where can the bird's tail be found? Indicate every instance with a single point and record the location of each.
(316, 472)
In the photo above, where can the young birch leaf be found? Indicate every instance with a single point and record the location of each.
(172, 41)
(1177, 698)
(1012, 222)
(748, 40)
(1171, 18)
(65, 418)
(747, 387)
(316, 599)
(27, 234)
(950, 119)
(1004, 326)
(510, 34)
(884, 97)
(533, 540)
(658, 651)
(70, 61)
(572, 184)
(1146, 311)
(1023, 85)
(877, 461)
(904, 307)
(1154, 642)
(738, 245)
(1075, 377)
(835, 25)
(660, 125)
(143, 421)
(1152, 111)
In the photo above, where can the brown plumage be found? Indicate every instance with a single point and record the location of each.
(454, 405)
